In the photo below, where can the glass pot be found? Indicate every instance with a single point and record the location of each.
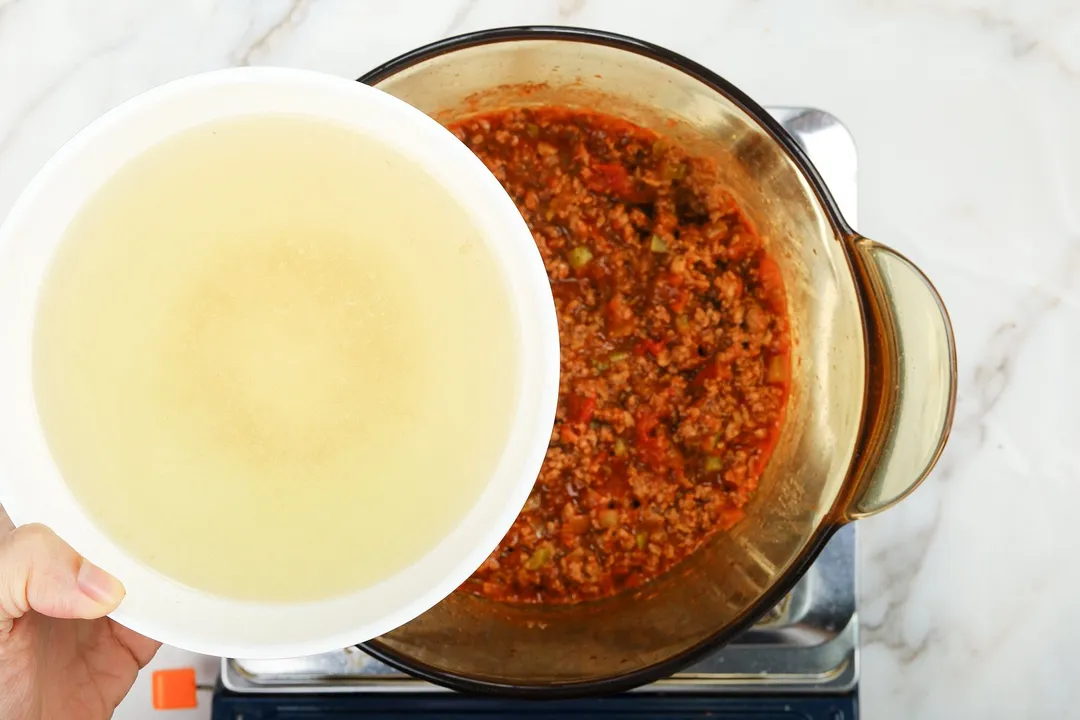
(873, 373)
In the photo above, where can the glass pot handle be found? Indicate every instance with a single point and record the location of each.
(911, 393)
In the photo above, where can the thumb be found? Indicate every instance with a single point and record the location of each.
(39, 571)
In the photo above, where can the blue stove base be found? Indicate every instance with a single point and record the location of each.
(447, 706)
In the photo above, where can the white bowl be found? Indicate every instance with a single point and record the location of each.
(31, 487)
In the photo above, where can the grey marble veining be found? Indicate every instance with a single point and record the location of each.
(965, 115)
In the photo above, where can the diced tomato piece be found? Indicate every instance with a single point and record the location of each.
(610, 178)
(712, 370)
(653, 347)
(614, 180)
(672, 279)
(649, 442)
(580, 409)
(679, 303)
(708, 372)
(644, 422)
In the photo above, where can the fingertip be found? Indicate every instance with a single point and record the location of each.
(100, 586)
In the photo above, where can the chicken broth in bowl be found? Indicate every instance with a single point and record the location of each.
(251, 332)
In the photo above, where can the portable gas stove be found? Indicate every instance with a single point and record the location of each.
(801, 661)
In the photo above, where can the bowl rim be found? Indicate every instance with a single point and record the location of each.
(160, 613)
(818, 539)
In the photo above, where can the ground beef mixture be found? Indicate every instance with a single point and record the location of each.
(675, 353)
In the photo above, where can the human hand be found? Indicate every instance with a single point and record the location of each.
(60, 657)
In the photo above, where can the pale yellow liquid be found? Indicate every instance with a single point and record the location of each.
(274, 360)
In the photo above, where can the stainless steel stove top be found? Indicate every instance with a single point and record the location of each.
(808, 643)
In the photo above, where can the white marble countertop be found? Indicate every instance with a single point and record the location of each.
(965, 113)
